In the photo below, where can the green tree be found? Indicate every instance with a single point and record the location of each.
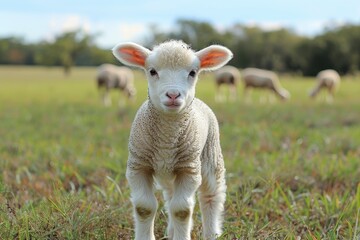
(64, 51)
(197, 34)
(68, 47)
(13, 50)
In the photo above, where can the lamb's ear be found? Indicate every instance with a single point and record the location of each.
(131, 54)
(213, 57)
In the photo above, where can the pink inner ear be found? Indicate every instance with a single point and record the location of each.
(212, 58)
(133, 55)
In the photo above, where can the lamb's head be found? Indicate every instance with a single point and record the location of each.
(172, 70)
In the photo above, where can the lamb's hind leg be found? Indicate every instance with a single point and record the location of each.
(330, 95)
(233, 92)
(144, 203)
(106, 97)
(168, 192)
(212, 196)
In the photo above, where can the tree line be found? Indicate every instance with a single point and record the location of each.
(69, 49)
(281, 50)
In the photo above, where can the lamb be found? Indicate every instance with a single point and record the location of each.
(110, 77)
(230, 76)
(328, 79)
(174, 140)
(259, 78)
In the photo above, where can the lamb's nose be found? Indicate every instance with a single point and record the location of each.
(173, 95)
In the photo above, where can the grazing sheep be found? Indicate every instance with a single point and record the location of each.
(110, 76)
(328, 79)
(230, 76)
(258, 78)
(174, 140)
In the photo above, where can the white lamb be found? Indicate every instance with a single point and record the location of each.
(227, 75)
(174, 140)
(113, 77)
(328, 79)
(259, 78)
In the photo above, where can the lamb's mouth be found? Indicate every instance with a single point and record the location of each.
(172, 105)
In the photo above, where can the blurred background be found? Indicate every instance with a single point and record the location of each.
(299, 36)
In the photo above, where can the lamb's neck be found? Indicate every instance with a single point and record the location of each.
(173, 122)
(172, 133)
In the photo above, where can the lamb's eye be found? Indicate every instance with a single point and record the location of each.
(153, 72)
(192, 73)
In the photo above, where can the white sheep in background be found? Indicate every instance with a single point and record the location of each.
(113, 77)
(227, 75)
(328, 79)
(259, 78)
(174, 140)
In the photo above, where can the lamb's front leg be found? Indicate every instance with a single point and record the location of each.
(141, 184)
(182, 203)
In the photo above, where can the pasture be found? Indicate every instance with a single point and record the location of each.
(293, 168)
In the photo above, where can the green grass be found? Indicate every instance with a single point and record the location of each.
(293, 168)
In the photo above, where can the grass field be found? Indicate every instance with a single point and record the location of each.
(293, 168)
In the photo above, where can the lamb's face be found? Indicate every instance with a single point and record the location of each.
(169, 90)
(172, 76)
(171, 69)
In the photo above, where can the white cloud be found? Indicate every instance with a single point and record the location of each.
(131, 31)
(111, 33)
(64, 23)
(316, 26)
(268, 25)
(304, 27)
(74, 22)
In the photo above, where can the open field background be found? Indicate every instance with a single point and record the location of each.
(293, 168)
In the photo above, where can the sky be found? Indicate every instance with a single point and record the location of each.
(129, 20)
